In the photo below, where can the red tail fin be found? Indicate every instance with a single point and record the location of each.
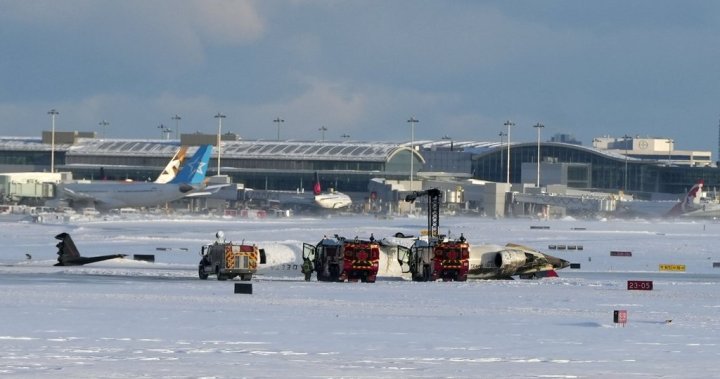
(316, 188)
(684, 204)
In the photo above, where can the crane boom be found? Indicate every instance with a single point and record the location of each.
(433, 209)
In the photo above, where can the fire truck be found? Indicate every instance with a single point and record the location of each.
(434, 257)
(339, 259)
(227, 260)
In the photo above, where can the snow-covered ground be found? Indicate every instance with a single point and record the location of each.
(126, 319)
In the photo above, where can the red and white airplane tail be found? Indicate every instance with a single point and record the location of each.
(316, 188)
(686, 203)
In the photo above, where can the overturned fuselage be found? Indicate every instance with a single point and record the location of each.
(504, 262)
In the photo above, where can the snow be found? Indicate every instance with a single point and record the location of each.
(130, 319)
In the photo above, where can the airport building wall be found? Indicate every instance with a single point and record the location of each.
(349, 166)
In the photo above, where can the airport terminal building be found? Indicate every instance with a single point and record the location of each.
(350, 166)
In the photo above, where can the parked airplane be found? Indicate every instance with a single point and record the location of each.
(109, 195)
(300, 200)
(695, 203)
(171, 170)
(68, 254)
(331, 199)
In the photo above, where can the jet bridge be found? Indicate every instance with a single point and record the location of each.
(586, 203)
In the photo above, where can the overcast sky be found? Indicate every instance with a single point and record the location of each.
(362, 68)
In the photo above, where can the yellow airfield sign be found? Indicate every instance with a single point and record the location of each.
(672, 267)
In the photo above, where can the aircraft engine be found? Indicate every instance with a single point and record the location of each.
(509, 260)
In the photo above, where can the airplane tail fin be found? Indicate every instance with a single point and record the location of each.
(193, 171)
(67, 251)
(683, 206)
(316, 188)
(68, 254)
(172, 168)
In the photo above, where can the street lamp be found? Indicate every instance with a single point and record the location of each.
(502, 153)
(538, 126)
(220, 117)
(52, 114)
(277, 121)
(103, 124)
(177, 119)
(508, 124)
(412, 122)
(625, 138)
(322, 130)
(164, 131)
(669, 141)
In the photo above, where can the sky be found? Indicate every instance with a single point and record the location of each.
(363, 68)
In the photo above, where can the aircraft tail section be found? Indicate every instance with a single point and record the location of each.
(68, 254)
(172, 168)
(685, 204)
(316, 188)
(193, 171)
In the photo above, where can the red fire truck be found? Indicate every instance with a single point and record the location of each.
(338, 259)
(434, 257)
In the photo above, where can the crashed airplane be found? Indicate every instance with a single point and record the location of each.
(68, 254)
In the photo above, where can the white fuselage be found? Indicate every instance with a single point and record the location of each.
(333, 200)
(109, 195)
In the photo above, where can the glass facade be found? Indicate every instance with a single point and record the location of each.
(608, 172)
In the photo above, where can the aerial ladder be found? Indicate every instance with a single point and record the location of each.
(435, 257)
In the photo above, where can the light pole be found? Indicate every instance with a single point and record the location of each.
(669, 141)
(220, 117)
(177, 119)
(412, 122)
(277, 121)
(322, 130)
(103, 124)
(625, 138)
(508, 124)
(164, 131)
(52, 114)
(502, 153)
(538, 126)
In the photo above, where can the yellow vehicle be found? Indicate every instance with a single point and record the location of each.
(227, 260)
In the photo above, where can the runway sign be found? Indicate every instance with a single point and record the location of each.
(245, 288)
(621, 253)
(539, 227)
(574, 265)
(620, 317)
(716, 264)
(640, 285)
(671, 267)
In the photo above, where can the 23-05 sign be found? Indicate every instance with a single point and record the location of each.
(640, 285)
